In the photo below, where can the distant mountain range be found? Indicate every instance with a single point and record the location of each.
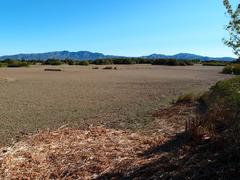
(86, 55)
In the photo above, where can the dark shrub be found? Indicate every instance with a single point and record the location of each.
(182, 63)
(3, 65)
(187, 98)
(102, 61)
(236, 69)
(222, 105)
(214, 64)
(125, 61)
(172, 62)
(69, 62)
(17, 64)
(54, 62)
(227, 70)
(188, 63)
(83, 63)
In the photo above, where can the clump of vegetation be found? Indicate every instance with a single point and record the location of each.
(69, 62)
(172, 62)
(17, 64)
(102, 61)
(222, 110)
(188, 98)
(227, 70)
(232, 69)
(53, 62)
(82, 63)
(236, 69)
(3, 64)
(214, 63)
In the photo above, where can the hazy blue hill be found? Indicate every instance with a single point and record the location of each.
(189, 56)
(80, 55)
(86, 55)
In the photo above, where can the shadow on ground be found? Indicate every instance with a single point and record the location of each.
(183, 158)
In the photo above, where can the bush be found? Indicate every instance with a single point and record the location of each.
(3, 65)
(187, 98)
(189, 63)
(125, 61)
(236, 69)
(69, 62)
(82, 63)
(227, 70)
(233, 69)
(102, 61)
(222, 107)
(17, 64)
(172, 62)
(214, 64)
(53, 62)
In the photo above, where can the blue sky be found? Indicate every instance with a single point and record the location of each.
(119, 27)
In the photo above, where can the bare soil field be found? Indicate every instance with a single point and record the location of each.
(33, 99)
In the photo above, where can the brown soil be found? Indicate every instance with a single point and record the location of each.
(33, 99)
(100, 153)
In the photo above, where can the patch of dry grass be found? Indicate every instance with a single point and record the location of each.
(72, 153)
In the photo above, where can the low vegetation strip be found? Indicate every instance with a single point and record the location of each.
(232, 69)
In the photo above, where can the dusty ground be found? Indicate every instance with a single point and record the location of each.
(33, 99)
(99, 153)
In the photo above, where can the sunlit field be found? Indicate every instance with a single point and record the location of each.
(79, 96)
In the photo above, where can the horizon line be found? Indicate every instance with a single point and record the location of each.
(118, 55)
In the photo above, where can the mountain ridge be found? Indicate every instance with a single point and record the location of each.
(87, 55)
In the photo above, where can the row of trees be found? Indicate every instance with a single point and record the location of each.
(103, 61)
(169, 62)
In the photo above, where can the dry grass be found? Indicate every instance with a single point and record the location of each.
(74, 154)
(80, 96)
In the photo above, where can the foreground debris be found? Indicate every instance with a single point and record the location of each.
(100, 153)
(71, 153)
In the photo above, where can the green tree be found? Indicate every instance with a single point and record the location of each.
(233, 28)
